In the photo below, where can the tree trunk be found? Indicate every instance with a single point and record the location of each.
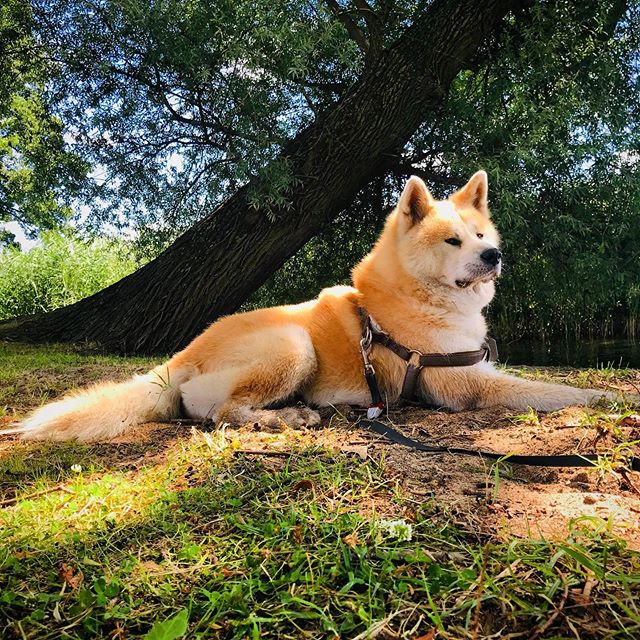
(211, 269)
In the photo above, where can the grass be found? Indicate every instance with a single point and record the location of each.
(584, 378)
(31, 375)
(187, 535)
(60, 271)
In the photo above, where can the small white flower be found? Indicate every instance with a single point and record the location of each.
(76, 468)
(397, 529)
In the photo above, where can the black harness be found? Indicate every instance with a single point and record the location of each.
(416, 362)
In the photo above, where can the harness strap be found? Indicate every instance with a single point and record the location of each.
(488, 351)
(410, 381)
(574, 460)
(416, 360)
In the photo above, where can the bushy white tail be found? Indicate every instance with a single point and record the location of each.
(106, 410)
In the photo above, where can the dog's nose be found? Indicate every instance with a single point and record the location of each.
(491, 256)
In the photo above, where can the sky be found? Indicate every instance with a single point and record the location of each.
(15, 228)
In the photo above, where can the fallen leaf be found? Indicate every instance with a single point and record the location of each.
(70, 576)
(297, 534)
(360, 450)
(351, 540)
(410, 514)
(151, 566)
(430, 635)
(302, 485)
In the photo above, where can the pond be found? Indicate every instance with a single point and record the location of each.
(616, 352)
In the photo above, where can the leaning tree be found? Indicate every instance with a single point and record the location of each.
(212, 267)
(164, 80)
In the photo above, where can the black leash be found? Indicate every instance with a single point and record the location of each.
(416, 361)
(574, 460)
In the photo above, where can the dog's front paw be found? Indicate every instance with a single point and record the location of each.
(300, 417)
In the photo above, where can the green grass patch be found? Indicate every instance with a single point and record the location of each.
(187, 536)
(60, 271)
(31, 375)
(249, 550)
(601, 376)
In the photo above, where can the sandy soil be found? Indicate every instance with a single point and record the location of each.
(515, 501)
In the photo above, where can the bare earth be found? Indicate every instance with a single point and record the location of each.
(508, 500)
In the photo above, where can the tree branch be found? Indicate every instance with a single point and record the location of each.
(354, 31)
(375, 25)
(402, 168)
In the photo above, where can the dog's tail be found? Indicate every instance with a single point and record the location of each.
(106, 410)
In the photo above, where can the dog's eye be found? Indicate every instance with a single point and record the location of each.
(453, 241)
(480, 235)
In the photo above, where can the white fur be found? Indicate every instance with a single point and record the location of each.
(107, 410)
(203, 395)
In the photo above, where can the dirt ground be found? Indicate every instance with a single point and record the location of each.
(505, 499)
(512, 500)
(518, 500)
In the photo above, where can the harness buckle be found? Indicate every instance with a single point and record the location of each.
(365, 349)
(367, 338)
(414, 358)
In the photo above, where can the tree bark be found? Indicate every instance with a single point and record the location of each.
(211, 269)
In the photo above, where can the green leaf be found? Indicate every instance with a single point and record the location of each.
(171, 628)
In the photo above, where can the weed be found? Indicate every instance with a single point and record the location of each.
(528, 418)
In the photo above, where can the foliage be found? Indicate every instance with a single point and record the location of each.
(551, 112)
(188, 101)
(39, 175)
(175, 106)
(559, 135)
(59, 272)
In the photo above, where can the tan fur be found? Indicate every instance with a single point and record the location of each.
(412, 285)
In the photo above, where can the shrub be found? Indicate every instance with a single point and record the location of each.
(60, 271)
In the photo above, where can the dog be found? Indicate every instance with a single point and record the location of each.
(425, 283)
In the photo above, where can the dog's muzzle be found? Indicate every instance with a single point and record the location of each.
(483, 275)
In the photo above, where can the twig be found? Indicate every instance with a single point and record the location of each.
(558, 610)
(379, 627)
(625, 475)
(354, 31)
(37, 494)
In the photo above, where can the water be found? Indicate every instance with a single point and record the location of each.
(586, 353)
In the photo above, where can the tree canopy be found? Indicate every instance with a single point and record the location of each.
(39, 174)
(170, 107)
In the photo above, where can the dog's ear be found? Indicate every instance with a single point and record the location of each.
(474, 193)
(416, 201)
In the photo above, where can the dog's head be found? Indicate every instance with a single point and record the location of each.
(452, 242)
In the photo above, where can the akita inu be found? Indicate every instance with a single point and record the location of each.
(424, 283)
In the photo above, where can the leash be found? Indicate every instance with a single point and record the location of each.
(416, 361)
(573, 460)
